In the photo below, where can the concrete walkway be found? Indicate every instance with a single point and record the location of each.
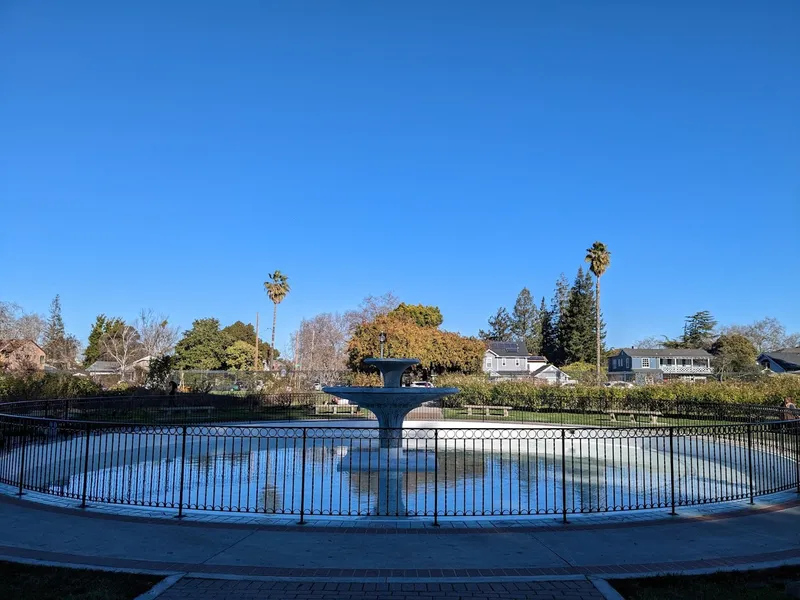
(763, 535)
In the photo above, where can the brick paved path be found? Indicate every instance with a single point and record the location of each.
(216, 589)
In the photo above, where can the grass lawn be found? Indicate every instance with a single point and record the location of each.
(768, 584)
(33, 582)
(590, 419)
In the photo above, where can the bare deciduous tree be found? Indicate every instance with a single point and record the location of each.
(123, 345)
(650, 343)
(156, 336)
(322, 343)
(370, 308)
(18, 325)
(765, 334)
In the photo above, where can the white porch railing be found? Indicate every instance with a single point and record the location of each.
(687, 369)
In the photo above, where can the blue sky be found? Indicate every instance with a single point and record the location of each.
(171, 154)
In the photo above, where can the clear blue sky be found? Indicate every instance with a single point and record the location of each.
(171, 154)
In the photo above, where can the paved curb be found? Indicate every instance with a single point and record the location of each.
(418, 526)
(176, 570)
(159, 588)
(606, 589)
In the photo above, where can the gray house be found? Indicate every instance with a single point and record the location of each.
(785, 360)
(654, 365)
(506, 359)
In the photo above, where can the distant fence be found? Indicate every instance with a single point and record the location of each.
(253, 408)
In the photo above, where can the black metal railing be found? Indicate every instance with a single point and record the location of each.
(434, 472)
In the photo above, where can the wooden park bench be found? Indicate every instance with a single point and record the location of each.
(186, 409)
(653, 414)
(486, 408)
(335, 409)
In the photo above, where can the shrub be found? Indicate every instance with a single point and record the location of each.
(46, 385)
(531, 394)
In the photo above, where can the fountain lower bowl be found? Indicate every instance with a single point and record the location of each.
(378, 396)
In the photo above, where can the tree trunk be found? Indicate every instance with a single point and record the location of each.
(597, 326)
(272, 347)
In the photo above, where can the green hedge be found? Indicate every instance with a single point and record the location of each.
(769, 391)
(47, 385)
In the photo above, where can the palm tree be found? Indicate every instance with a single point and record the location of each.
(277, 289)
(599, 258)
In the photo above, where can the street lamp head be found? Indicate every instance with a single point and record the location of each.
(382, 337)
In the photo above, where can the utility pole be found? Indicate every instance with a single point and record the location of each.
(296, 361)
(255, 362)
(311, 358)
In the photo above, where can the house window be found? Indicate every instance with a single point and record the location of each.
(645, 363)
(488, 362)
(516, 362)
(503, 362)
(41, 359)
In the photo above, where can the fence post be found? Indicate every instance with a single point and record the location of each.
(66, 409)
(303, 481)
(750, 459)
(183, 465)
(436, 477)
(797, 454)
(86, 465)
(22, 461)
(564, 474)
(672, 468)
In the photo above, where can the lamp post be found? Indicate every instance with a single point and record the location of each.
(382, 339)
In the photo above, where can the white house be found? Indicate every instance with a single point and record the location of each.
(507, 360)
(551, 374)
(535, 363)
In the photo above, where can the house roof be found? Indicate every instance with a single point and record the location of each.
(789, 361)
(9, 346)
(545, 368)
(508, 348)
(666, 352)
(102, 366)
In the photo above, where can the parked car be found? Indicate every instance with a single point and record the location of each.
(423, 384)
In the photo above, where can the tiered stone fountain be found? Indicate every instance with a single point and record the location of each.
(391, 403)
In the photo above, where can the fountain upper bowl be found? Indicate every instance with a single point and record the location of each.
(380, 395)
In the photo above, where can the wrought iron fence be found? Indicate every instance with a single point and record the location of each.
(435, 473)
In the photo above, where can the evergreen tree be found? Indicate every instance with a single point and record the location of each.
(561, 296)
(549, 328)
(698, 332)
(94, 351)
(699, 329)
(525, 323)
(576, 328)
(54, 333)
(61, 349)
(734, 353)
(203, 346)
(241, 332)
(424, 316)
(499, 327)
